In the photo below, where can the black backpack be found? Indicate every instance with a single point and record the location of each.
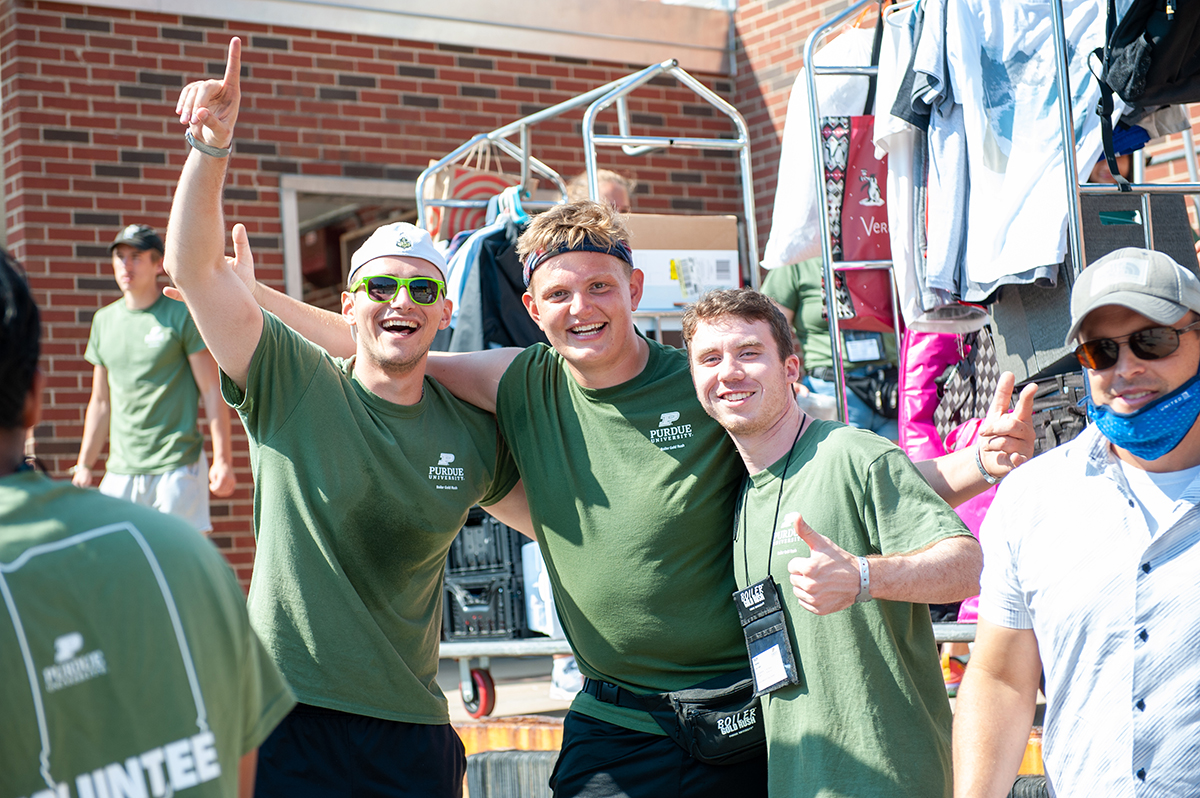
(1151, 58)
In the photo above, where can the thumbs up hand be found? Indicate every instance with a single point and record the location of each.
(827, 580)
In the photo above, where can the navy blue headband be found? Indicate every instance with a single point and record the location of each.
(537, 258)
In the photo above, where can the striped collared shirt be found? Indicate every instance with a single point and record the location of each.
(1068, 553)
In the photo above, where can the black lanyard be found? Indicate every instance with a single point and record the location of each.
(778, 502)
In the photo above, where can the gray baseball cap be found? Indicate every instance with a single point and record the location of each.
(1147, 282)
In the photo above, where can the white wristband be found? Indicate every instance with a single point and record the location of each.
(991, 480)
(864, 581)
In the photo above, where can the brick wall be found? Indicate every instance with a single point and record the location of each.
(89, 145)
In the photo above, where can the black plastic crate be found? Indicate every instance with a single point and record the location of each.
(484, 606)
(484, 545)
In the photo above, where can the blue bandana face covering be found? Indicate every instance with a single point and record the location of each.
(1152, 431)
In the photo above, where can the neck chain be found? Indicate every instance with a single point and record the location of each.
(778, 502)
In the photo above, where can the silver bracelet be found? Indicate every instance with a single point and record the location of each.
(864, 581)
(991, 480)
(207, 149)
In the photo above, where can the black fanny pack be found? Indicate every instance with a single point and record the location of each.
(718, 722)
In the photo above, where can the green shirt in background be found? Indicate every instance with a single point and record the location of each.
(127, 658)
(871, 715)
(631, 489)
(152, 393)
(798, 288)
(356, 503)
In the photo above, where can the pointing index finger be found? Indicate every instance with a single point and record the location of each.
(233, 64)
(1003, 395)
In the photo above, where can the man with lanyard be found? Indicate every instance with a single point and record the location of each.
(632, 497)
(127, 663)
(364, 473)
(841, 542)
(1091, 562)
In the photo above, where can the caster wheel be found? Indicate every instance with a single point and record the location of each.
(485, 694)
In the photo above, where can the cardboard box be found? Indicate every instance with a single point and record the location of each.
(683, 257)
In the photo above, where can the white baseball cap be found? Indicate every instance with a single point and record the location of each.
(400, 240)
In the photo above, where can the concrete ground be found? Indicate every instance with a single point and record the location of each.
(522, 688)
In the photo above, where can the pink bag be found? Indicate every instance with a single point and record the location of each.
(923, 357)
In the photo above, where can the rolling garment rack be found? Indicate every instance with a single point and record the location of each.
(476, 686)
(596, 101)
(954, 632)
(828, 265)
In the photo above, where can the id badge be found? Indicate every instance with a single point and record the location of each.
(772, 663)
(863, 347)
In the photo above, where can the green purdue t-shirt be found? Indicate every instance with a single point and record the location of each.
(871, 716)
(126, 657)
(153, 395)
(798, 287)
(631, 489)
(356, 503)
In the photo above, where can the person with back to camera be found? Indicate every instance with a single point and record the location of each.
(127, 662)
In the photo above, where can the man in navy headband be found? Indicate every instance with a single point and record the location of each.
(1090, 562)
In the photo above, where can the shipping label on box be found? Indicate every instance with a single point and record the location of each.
(675, 277)
(682, 257)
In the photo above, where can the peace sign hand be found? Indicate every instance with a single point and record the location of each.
(210, 107)
(1006, 438)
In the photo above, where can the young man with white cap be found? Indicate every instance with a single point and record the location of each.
(1091, 556)
(151, 369)
(364, 472)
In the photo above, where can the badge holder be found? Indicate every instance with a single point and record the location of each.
(772, 663)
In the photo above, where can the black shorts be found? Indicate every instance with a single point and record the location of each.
(601, 760)
(323, 752)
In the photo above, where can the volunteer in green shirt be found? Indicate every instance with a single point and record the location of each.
(799, 291)
(151, 367)
(364, 472)
(127, 662)
(856, 542)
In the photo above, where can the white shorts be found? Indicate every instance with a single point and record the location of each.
(182, 492)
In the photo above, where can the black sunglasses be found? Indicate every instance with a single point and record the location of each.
(1150, 344)
(385, 288)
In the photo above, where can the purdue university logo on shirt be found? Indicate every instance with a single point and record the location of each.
(444, 475)
(156, 337)
(70, 667)
(669, 435)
